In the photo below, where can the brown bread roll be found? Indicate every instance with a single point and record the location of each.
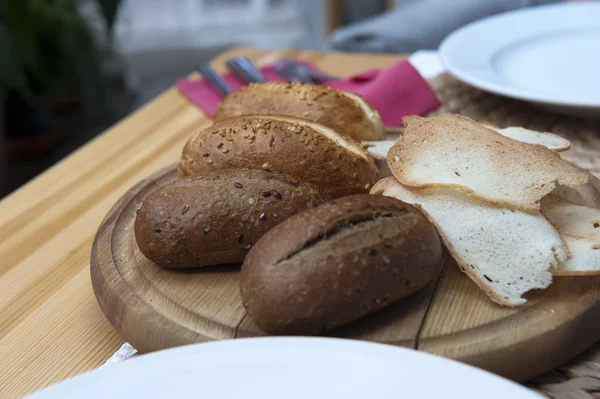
(302, 150)
(215, 220)
(346, 113)
(334, 264)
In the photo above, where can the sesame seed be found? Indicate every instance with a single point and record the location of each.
(237, 184)
(277, 195)
(262, 216)
(266, 194)
(206, 228)
(156, 229)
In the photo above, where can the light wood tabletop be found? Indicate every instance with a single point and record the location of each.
(51, 327)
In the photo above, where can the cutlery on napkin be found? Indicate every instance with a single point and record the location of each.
(395, 92)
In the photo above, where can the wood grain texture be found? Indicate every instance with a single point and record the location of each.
(154, 308)
(51, 327)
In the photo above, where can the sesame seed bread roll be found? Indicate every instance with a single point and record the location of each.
(333, 264)
(215, 220)
(304, 151)
(346, 113)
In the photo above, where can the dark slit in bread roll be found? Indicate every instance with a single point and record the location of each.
(333, 264)
(302, 150)
(347, 113)
(216, 219)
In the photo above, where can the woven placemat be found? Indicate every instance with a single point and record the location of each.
(579, 378)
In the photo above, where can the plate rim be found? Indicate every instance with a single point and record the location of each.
(273, 343)
(445, 57)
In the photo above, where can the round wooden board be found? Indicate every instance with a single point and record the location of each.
(154, 308)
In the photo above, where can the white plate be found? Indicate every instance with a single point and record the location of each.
(549, 55)
(285, 368)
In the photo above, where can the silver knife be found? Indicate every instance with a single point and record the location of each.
(243, 68)
(215, 79)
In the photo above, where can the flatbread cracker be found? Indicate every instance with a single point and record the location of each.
(579, 227)
(505, 252)
(548, 140)
(454, 151)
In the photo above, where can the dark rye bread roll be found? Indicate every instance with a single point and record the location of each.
(338, 262)
(302, 150)
(346, 113)
(216, 220)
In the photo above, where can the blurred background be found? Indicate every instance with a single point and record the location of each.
(69, 69)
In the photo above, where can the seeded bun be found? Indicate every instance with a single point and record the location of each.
(216, 220)
(346, 113)
(304, 151)
(338, 262)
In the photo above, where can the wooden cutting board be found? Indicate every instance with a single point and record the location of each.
(154, 308)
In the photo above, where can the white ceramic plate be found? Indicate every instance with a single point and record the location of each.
(548, 55)
(286, 368)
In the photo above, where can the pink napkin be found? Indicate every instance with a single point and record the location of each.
(394, 92)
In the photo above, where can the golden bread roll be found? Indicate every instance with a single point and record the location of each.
(346, 113)
(307, 152)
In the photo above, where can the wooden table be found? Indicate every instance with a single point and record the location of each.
(51, 327)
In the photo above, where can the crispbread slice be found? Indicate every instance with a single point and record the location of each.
(505, 252)
(584, 260)
(454, 151)
(580, 228)
(571, 219)
(378, 149)
(548, 140)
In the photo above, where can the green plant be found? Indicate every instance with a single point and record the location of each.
(45, 45)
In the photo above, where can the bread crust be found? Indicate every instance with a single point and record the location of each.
(302, 150)
(341, 111)
(215, 220)
(338, 262)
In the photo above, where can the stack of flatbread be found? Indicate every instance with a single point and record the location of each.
(490, 193)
